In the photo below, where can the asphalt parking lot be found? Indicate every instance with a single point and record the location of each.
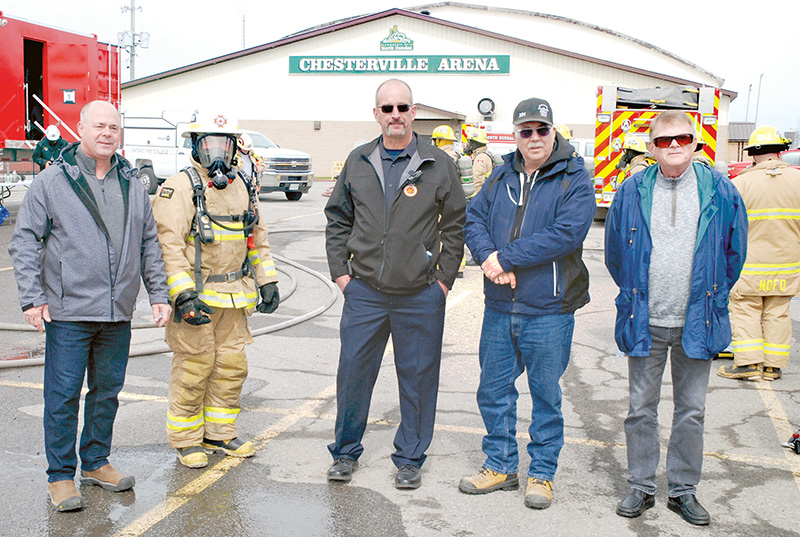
(751, 485)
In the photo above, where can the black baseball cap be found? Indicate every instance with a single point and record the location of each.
(533, 109)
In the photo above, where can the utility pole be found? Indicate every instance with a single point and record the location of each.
(136, 39)
(133, 42)
(758, 99)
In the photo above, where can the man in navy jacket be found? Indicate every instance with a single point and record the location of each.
(676, 240)
(525, 228)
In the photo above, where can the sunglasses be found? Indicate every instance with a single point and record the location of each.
(402, 108)
(662, 142)
(541, 131)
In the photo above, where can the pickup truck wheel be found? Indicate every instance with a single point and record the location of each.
(293, 196)
(148, 179)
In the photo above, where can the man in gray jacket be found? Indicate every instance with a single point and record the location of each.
(85, 233)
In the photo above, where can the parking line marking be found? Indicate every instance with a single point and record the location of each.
(296, 217)
(215, 473)
(781, 424)
(6, 268)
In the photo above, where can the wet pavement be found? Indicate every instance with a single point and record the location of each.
(289, 406)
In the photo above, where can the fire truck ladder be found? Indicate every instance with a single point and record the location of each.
(60, 121)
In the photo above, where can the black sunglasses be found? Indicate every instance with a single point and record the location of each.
(387, 108)
(662, 142)
(541, 131)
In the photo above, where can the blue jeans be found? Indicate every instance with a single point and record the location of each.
(72, 350)
(416, 323)
(689, 387)
(510, 344)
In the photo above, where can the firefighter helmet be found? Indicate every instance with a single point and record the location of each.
(698, 137)
(564, 131)
(477, 135)
(245, 142)
(213, 124)
(443, 132)
(634, 143)
(52, 133)
(766, 139)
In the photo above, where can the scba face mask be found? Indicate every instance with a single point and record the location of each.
(215, 153)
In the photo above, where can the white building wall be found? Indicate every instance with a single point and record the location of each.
(259, 88)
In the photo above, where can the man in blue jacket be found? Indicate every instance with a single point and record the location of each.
(525, 228)
(676, 240)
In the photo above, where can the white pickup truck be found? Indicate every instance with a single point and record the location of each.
(156, 146)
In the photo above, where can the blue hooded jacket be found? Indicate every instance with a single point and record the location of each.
(719, 255)
(545, 251)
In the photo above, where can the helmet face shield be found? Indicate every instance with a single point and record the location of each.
(212, 148)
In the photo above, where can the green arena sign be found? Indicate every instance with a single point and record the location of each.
(365, 65)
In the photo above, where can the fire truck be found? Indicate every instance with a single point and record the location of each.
(625, 112)
(48, 75)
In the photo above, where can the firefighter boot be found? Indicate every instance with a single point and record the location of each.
(232, 448)
(193, 457)
(741, 372)
(771, 373)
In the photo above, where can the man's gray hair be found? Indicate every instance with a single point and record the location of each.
(672, 117)
(377, 91)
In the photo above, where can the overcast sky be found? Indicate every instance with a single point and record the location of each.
(735, 43)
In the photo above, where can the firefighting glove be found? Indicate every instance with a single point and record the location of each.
(190, 308)
(269, 298)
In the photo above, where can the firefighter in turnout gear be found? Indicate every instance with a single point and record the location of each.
(482, 163)
(759, 302)
(443, 137)
(218, 266)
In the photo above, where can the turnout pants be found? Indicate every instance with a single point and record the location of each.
(416, 323)
(762, 330)
(209, 367)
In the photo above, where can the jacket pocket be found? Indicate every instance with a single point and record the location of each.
(624, 334)
(718, 331)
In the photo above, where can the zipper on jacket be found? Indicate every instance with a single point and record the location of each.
(555, 279)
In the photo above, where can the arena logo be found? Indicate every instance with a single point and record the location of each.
(396, 40)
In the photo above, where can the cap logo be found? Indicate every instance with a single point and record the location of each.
(521, 114)
(220, 121)
(544, 111)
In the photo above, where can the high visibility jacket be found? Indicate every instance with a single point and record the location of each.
(771, 193)
(174, 211)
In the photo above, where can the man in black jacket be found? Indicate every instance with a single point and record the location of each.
(394, 244)
(48, 150)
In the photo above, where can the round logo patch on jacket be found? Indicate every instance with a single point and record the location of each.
(410, 191)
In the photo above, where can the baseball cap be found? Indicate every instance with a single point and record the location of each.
(533, 109)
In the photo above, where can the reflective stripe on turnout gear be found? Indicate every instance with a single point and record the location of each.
(776, 349)
(229, 300)
(184, 424)
(221, 415)
(771, 268)
(776, 213)
(178, 282)
(748, 345)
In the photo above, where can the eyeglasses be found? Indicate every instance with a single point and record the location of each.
(662, 142)
(541, 131)
(402, 108)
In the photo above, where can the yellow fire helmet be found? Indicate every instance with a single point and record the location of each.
(564, 131)
(634, 143)
(767, 136)
(477, 135)
(698, 136)
(443, 132)
(214, 123)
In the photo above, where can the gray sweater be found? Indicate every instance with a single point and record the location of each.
(673, 230)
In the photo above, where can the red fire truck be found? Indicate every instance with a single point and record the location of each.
(625, 112)
(48, 75)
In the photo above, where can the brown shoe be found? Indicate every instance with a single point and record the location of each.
(108, 478)
(539, 493)
(64, 496)
(487, 481)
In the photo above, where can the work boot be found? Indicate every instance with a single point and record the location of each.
(771, 373)
(193, 457)
(233, 447)
(108, 478)
(487, 481)
(539, 493)
(741, 372)
(64, 496)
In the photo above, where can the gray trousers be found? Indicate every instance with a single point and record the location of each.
(689, 387)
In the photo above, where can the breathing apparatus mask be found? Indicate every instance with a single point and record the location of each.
(215, 153)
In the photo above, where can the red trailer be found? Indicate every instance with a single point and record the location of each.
(48, 75)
